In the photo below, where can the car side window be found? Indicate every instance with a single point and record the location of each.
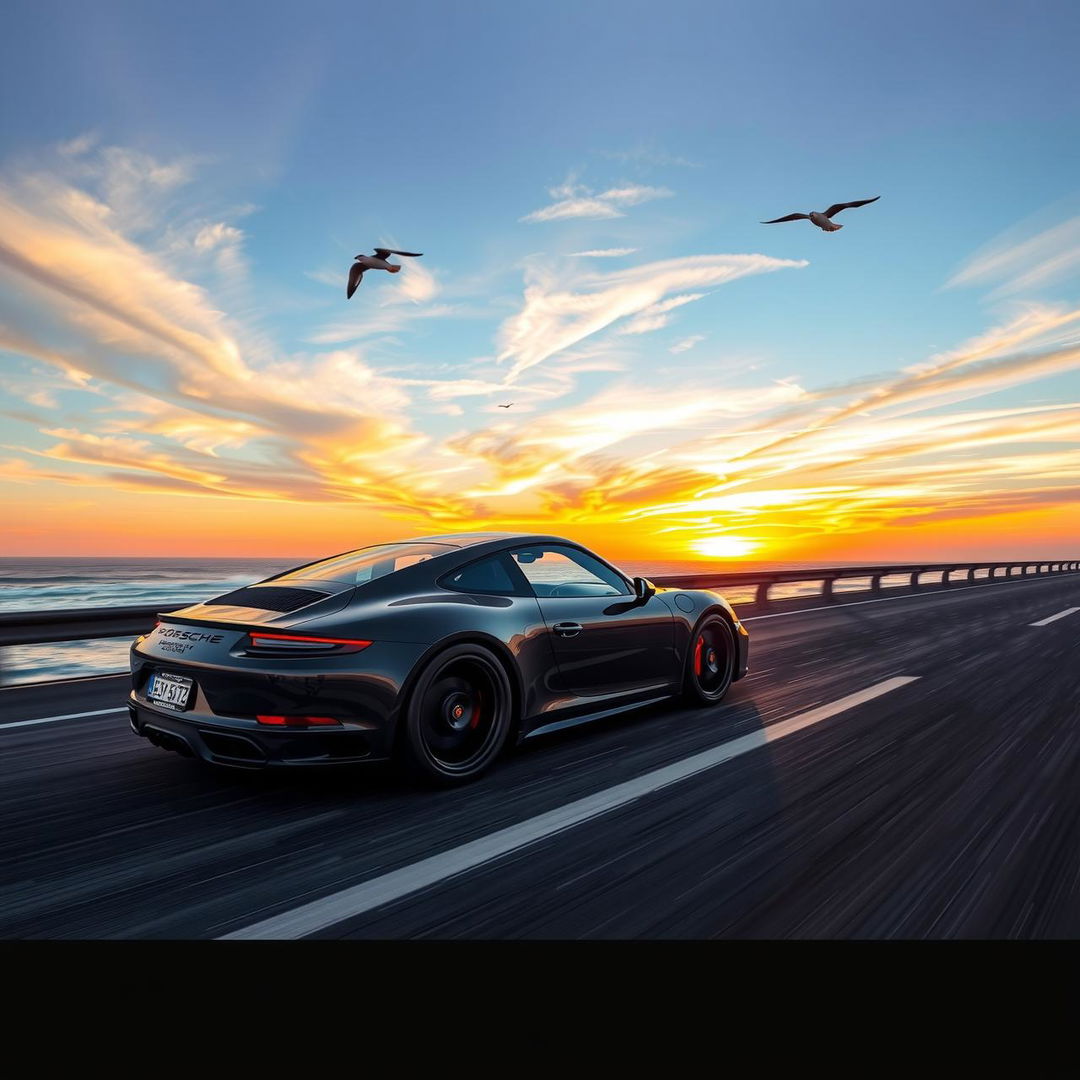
(489, 575)
(563, 571)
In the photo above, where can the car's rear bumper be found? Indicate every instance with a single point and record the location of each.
(219, 723)
(250, 746)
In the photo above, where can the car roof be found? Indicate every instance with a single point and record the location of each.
(464, 540)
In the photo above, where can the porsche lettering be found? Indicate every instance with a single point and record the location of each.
(189, 635)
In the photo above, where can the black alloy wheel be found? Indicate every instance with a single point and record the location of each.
(710, 661)
(458, 716)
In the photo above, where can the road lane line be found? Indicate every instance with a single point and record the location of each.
(1054, 618)
(907, 596)
(319, 914)
(54, 719)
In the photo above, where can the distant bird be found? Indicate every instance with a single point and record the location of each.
(506, 406)
(378, 261)
(822, 220)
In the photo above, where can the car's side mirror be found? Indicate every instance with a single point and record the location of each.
(643, 588)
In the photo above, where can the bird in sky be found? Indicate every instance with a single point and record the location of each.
(506, 406)
(378, 261)
(822, 220)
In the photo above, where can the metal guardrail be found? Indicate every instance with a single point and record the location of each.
(765, 579)
(42, 627)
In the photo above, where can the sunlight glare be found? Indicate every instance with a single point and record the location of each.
(725, 547)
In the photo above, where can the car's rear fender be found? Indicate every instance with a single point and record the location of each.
(466, 637)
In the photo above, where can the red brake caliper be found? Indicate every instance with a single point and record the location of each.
(697, 655)
(474, 720)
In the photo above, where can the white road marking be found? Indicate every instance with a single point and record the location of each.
(907, 596)
(66, 716)
(319, 914)
(1054, 618)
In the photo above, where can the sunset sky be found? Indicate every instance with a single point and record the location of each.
(183, 188)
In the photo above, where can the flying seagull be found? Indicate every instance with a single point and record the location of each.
(822, 220)
(506, 406)
(378, 261)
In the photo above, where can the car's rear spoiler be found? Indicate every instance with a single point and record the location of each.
(220, 624)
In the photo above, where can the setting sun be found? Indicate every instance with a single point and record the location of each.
(725, 547)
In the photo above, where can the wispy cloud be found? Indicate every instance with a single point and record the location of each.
(217, 236)
(78, 145)
(415, 284)
(687, 343)
(656, 316)
(603, 253)
(1015, 266)
(578, 201)
(559, 312)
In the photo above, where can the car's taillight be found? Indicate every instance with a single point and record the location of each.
(299, 721)
(301, 644)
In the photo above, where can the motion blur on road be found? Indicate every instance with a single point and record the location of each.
(902, 767)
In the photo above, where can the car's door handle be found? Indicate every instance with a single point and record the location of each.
(567, 629)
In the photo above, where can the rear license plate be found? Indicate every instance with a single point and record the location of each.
(170, 691)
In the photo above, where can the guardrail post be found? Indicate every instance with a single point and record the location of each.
(761, 597)
(971, 573)
(946, 579)
(913, 582)
(875, 583)
(826, 590)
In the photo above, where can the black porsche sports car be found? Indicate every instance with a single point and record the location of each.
(437, 652)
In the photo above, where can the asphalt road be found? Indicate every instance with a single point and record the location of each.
(896, 769)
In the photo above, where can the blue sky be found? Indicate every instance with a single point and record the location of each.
(240, 154)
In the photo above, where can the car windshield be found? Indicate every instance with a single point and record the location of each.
(367, 564)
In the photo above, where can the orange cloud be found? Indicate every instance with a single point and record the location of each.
(179, 403)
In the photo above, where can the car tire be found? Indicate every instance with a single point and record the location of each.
(710, 661)
(457, 717)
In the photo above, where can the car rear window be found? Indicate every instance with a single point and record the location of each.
(367, 564)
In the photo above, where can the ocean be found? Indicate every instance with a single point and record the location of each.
(35, 584)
